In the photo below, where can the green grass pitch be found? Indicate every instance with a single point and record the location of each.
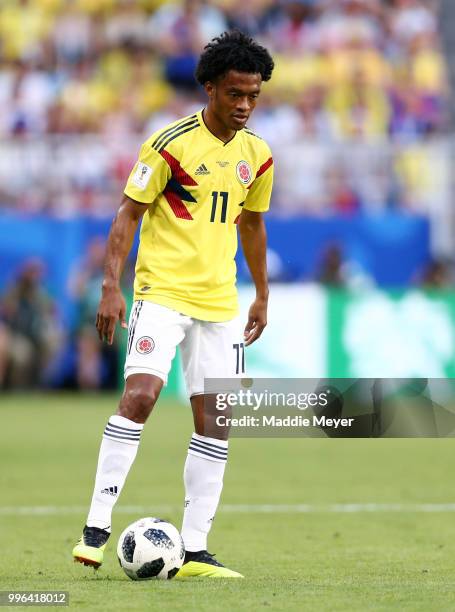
(325, 559)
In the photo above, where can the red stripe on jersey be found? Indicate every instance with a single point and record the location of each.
(264, 167)
(177, 171)
(178, 207)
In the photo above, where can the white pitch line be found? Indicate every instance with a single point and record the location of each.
(352, 508)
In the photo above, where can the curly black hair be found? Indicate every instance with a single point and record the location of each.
(233, 51)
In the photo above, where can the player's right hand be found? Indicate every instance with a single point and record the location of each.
(112, 308)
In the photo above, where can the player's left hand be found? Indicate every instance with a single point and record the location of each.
(257, 320)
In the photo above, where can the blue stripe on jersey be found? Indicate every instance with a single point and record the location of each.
(184, 123)
(172, 137)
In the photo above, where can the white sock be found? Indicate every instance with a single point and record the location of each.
(118, 450)
(203, 478)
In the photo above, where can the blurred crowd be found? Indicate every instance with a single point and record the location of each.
(82, 83)
(30, 330)
(344, 68)
(39, 346)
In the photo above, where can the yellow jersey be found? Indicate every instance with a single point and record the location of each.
(195, 186)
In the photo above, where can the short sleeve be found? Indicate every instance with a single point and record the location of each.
(148, 177)
(260, 191)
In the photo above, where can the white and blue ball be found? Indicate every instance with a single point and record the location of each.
(150, 548)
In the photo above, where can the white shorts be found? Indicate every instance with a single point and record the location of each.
(208, 350)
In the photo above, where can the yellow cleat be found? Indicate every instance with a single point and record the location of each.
(90, 548)
(202, 564)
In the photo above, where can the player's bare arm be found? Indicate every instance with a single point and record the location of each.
(253, 237)
(112, 307)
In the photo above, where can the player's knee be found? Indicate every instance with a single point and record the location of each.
(137, 403)
(212, 427)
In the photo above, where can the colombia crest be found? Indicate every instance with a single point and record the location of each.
(145, 345)
(243, 172)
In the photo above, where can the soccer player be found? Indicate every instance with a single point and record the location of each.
(194, 183)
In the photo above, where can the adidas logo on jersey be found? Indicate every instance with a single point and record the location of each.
(202, 170)
(110, 490)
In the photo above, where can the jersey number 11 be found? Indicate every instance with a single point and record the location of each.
(224, 195)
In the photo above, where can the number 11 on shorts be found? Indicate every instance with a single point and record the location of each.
(240, 357)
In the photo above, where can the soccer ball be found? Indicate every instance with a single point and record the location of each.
(150, 548)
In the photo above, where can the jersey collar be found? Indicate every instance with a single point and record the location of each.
(206, 130)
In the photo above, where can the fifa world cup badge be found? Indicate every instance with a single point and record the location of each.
(142, 175)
